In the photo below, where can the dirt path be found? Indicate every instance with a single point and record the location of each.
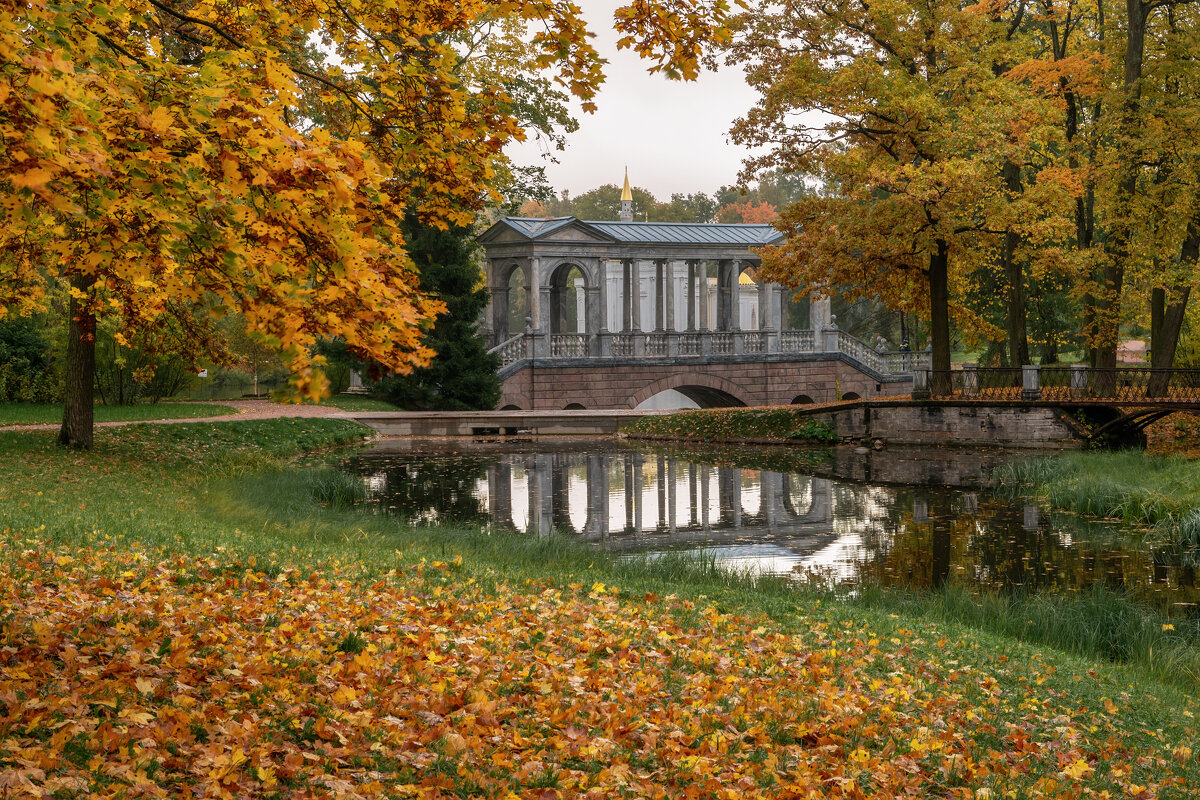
(246, 409)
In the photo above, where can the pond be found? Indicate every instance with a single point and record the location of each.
(916, 519)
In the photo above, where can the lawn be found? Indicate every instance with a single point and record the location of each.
(357, 402)
(182, 617)
(35, 414)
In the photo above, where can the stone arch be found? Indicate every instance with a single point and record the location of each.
(574, 407)
(707, 391)
(510, 407)
(802, 400)
(568, 281)
(511, 313)
(850, 396)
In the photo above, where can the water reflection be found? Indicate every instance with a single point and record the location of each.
(808, 526)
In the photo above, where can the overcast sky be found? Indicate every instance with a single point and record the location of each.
(672, 135)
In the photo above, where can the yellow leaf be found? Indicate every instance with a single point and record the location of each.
(33, 179)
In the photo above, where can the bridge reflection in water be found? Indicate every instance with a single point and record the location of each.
(849, 532)
(626, 501)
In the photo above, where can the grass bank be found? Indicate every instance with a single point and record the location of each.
(1159, 492)
(35, 414)
(357, 402)
(184, 616)
(749, 425)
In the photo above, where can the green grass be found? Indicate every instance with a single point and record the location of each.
(357, 402)
(1159, 492)
(781, 424)
(232, 491)
(34, 414)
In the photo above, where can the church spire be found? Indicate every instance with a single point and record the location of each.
(626, 200)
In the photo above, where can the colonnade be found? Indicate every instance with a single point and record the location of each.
(610, 296)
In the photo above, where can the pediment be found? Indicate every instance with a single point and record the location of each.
(565, 230)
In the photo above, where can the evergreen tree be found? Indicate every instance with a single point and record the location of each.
(462, 376)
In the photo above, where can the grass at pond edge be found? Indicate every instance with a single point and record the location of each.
(170, 488)
(1161, 492)
(747, 425)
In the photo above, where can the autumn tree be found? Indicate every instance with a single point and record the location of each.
(913, 126)
(191, 161)
(748, 213)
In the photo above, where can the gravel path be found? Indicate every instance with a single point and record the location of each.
(246, 409)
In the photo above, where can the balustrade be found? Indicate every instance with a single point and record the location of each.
(569, 345)
(709, 343)
(754, 341)
(796, 341)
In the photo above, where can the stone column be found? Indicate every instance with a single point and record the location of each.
(691, 294)
(581, 320)
(499, 315)
(627, 306)
(735, 323)
(636, 283)
(704, 297)
(722, 321)
(660, 304)
(670, 296)
(535, 296)
(602, 287)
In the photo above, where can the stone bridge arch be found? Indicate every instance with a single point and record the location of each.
(706, 391)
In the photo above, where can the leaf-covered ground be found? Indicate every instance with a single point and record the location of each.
(130, 673)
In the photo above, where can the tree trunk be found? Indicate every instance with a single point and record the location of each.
(76, 428)
(1164, 337)
(939, 318)
(1120, 241)
(1018, 336)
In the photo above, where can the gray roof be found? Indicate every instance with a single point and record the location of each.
(684, 233)
(688, 232)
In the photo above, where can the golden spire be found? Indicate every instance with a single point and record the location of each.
(626, 193)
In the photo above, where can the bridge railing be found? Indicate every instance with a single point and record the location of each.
(569, 345)
(670, 344)
(511, 350)
(797, 341)
(1075, 382)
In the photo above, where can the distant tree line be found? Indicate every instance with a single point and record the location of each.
(758, 203)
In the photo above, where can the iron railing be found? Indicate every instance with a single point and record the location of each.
(1065, 384)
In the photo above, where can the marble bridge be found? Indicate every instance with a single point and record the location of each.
(619, 315)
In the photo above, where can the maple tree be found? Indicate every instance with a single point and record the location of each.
(915, 127)
(188, 162)
(747, 212)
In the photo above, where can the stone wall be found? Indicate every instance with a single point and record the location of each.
(929, 423)
(750, 380)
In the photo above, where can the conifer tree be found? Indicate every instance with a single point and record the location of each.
(462, 376)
